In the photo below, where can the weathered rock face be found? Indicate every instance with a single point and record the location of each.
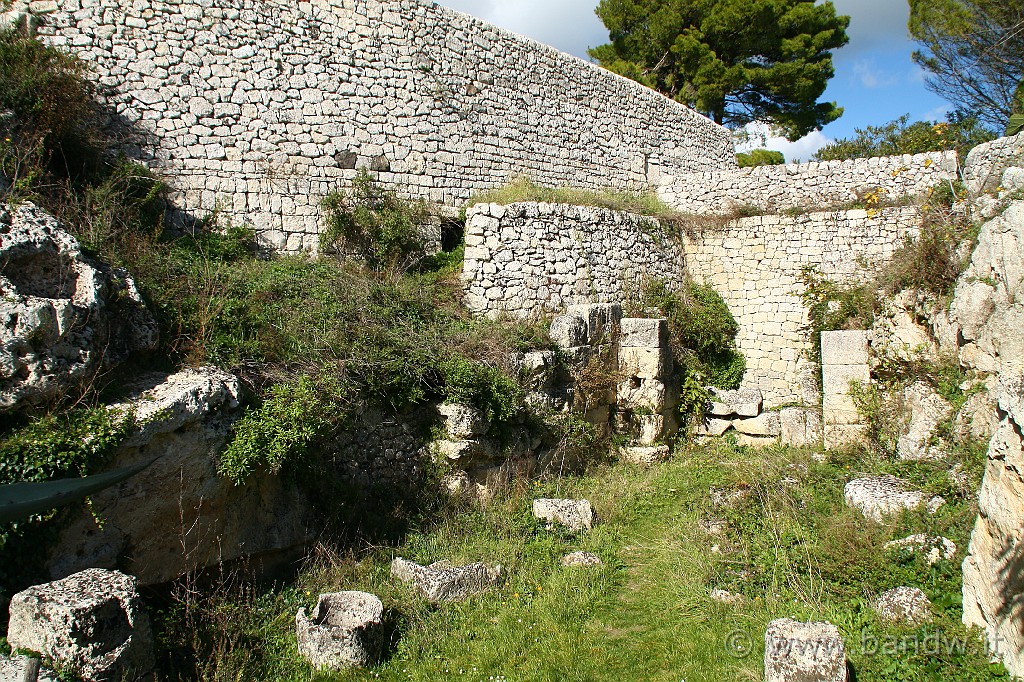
(442, 581)
(63, 316)
(180, 514)
(92, 623)
(878, 497)
(937, 547)
(803, 652)
(907, 605)
(927, 409)
(344, 630)
(574, 515)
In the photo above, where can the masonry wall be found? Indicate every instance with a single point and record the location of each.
(528, 258)
(985, 163)
(808, 185)
(261, 107)
(756, 265)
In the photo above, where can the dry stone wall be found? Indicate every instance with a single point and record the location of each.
(807, 185)
(985, 164)
(757, 263)
(527, 258)
(261, 107)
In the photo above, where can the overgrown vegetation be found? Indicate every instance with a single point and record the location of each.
(957, 132)
(523, 189)
(760, 157)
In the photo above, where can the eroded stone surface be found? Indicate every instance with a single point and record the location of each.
(927, 409)
(880, 496)
(581, 560)
(803, 652)
(344, 630)
(937, 547)
(442, 581)
(92, 623)
(644, 455)
(907, 605)
(744, 402)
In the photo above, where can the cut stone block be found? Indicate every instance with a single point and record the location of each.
(92, 623)
(744, 402)
(767, 424)
(463, 452)
(644, 455)
(344, 630)
(645, 363)
(803, 652)
(714, 427)
(568, 331)
(443, 582)
(574, 515)
(836, 379)
(642, 394)
(638, 332)
(844, 348)
(600, 319)
(462, 421)
(799, 426)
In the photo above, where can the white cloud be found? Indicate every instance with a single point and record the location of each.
(569, 25)
(760, 135)
(870, 76)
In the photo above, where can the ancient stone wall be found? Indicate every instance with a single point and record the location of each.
(818, 185)
(985, 164)
(527, 258)
(261, 107)
(757, 263)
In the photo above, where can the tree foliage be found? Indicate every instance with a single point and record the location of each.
(972, 51)
(902, 137)
(735, 61)
(760, 157)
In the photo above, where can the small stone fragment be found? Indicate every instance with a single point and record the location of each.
(726, 597)
(581, 559)
(574, 515)
(344, 630)
(879, 496)
(938, 547)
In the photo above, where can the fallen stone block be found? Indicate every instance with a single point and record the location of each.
(906, 605)
(344, 630)
(743, 402)
(574, 515)
(880, 496)
(729, 598)
(803, 652)
(644, 455)
(581, 560)
(767, 424)
(443, 582)
(799, 426)
(91, 623)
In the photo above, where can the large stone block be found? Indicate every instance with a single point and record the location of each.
(574, 515)
(743, 402)
(568, 331)
(879, 497)
(637, 332)
(91, 623)
(444, 582)
(803, 652)
(844, 347)
(601, 319)
(644, 363)
(836, 379)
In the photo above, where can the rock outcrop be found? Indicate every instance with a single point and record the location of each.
(92, 623)
(878, 497)
(344, 630)
(179, 514)
(573, 515)
(64, 316)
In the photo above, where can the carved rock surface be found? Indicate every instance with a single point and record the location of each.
(344, 630)
(803, 652)
(574, 515)
(92, 623)
(63, 315)
(442, 582)
(181, 499)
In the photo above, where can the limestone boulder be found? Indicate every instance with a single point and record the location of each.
(180, 514)
(644, 455)
(463, 422)
(905, 605)
(445, 582)
(16, 668)
(803, 652)
(878, 497)
(934, 547)
(978, 418)
(345, 630)
(573, 515)
(64, 316)
(92, 623)
(926, 410)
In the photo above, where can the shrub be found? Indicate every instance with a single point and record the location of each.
(487, 388)
(373, 223)
(897, 137)
(760, 157)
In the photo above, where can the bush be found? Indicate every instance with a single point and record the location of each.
(373, 223)
(901, 137)
(760, 157)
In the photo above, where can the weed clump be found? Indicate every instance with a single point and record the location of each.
(523, 189)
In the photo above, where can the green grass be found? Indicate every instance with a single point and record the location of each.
(523, 189)
(791, 547)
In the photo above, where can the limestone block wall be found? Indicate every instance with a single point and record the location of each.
(527, 258)
(807, 185)
(756, 265)
(261, 107)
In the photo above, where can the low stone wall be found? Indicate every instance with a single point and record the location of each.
(985, 163)
(807, 185)
(527, 258)
(756, 264)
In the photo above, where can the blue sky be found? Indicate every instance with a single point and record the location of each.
(875, 80)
